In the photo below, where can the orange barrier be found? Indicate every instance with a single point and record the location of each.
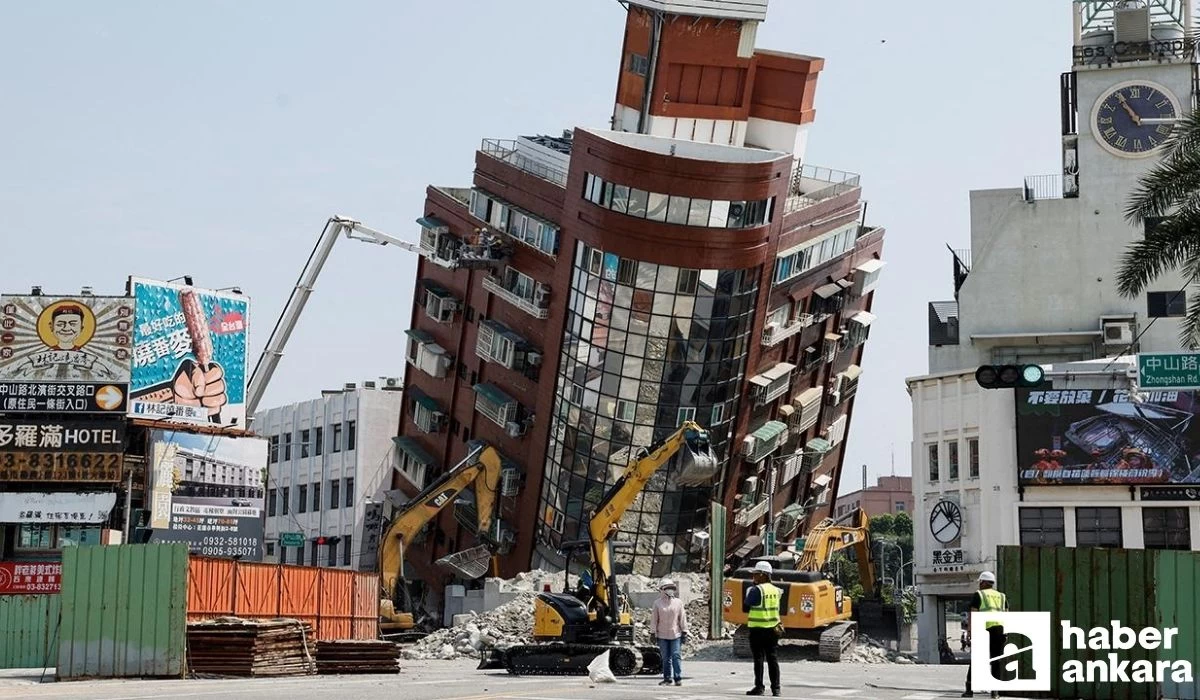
(338, 604)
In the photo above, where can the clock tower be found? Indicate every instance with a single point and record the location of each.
(1133, 76)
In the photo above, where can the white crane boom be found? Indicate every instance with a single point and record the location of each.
(269, 360)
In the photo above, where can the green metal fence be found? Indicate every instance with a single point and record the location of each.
(28, 631)
(1093, 587)
(123, 611)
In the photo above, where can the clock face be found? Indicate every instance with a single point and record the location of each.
(945, 521)
(1133, 119)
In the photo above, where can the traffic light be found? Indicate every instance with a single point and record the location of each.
(1009, 376)
(327, 540)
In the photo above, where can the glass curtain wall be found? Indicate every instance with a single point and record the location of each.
(646, 347)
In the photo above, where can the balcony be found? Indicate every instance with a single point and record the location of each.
(747, 516)
(774, 334)
(758, 445)
(506, 152)
(414, 463)
(772, 384)
(812, 185)
(538, 308)
(502, 409)
(438, 245)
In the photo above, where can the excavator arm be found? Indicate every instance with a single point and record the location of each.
(700, 465)
(831, 536)
(481, 467)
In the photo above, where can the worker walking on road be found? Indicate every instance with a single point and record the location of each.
(668, 623)
(988, 599)
(762, 605)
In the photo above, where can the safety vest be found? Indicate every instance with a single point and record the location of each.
(991, 600)
(766, 613)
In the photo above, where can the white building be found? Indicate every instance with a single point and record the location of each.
(203, 474)
(1038, 287)
(330, 463)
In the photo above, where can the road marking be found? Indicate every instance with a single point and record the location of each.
(839, 692)
(922, 696)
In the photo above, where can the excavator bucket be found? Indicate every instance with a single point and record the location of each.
(878, 620)
(699, 465)
(470, 563)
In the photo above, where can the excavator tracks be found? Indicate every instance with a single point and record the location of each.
(572, 659)
(836, 640)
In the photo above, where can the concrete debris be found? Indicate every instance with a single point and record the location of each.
(511, 623)
(870, 651)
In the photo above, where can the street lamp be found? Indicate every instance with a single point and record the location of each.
(772, 485)
(899, 552)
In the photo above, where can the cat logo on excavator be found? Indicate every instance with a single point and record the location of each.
(440, 499)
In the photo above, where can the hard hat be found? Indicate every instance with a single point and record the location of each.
(666, 583)
(987, 576)
(763, 567)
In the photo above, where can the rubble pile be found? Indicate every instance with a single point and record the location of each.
(511, 623)
(697, 622)
(870, 651)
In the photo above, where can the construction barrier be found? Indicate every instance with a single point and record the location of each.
(338, 604)
(28, 630)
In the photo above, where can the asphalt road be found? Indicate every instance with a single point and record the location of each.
(459, 680)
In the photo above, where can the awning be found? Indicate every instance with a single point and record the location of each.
(845, 283)
(827, 290)
(832, 337)
(770, 431)
(419, 335)
(873, 265)
(779, 371)
(493, 394)
(432, 223)
(809, 396)
(413, 449)
(852, 373)
(818, 445)
(786, 410)
(821, 481)
(436, 289)
(793, 511)
(424, 400)
(863, 318)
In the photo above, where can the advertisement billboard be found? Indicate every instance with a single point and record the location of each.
(17, 578)
(189, 354)
(61, 339)
(1104, 436)
(207, 492)
(75, 450)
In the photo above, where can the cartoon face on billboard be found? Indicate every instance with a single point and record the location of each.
(54, 339)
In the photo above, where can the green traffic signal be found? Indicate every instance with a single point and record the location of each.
(1009, 376)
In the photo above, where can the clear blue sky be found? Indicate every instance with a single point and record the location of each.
(215, 139)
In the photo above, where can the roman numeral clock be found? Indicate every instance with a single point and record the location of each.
(1132, 119)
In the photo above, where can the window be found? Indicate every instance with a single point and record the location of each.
(689, 281)
(496, 343)
(349, 492)
(271, 502)
(685, 414)
(316, 491)
(334, 501)
(302, 500)
(1097, 527)
(718, 413)
(637, 203)
(639, 64)
(320, 435)
(333, 553)
(287, 446)
(1166, 304)
(270, 549)
(626, 271)
(346, 550)
(274, 449)
(440, 305)
(304, 434)
(1167, 528)
(286, 500)
(312, 554)
(625, 410)
(480, 205)
(351, 434)
(932, 451)
(900, 506)
(519, 283)
(973, 457)
(677, 210)
(796, 261)
(656, 206)
(1042, 527)
(952, 459)
(576, 394)
(620, 204)
(336, 438)
(38, 538)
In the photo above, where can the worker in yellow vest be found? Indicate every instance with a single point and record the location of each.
(762, 606)
(987, 599)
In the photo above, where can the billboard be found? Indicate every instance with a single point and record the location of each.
(58, 339)
(189, 354)
(1103, 436)
(18, 578)
(74, 450)
(207, 492)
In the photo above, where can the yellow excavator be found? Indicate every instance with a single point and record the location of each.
(482, 468)
(573, 627)
(813, 607)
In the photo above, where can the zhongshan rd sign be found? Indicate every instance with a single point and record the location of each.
(1169, 370)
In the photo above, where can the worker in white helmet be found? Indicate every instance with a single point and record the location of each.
(668, 624)
(987, 599)
(764, 623)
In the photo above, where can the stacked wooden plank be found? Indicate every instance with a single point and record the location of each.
(237, 647)
(338, 657)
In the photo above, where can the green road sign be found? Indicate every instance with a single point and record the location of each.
(291, 539)
(1169, 370)
(769, 546)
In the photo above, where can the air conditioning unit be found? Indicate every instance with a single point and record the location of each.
(748, 444)
(350, 386)
(770, 331)
(1131, 23)
(391, 382)
(833, 398)
(368, 385)
(534, 359)
(541, 293)
(750, 486)
(736, 210)
(437, 421)
(1117, 332)
(514, 430)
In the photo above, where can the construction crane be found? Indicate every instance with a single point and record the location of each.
(445, 250)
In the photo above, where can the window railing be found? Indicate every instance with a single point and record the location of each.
(774, 335)
(506, 152)
(1039, 187)
(746, 516)
(812, 184)
(495, 285)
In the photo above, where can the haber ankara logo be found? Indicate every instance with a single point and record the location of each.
(1023, 660)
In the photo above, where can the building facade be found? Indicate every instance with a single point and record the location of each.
(330, 464)
(592, 291)
(890, 494)
(1038, 287)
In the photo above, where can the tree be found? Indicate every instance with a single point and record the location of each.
(903, 525)
(1166, 203)
(882, 524)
